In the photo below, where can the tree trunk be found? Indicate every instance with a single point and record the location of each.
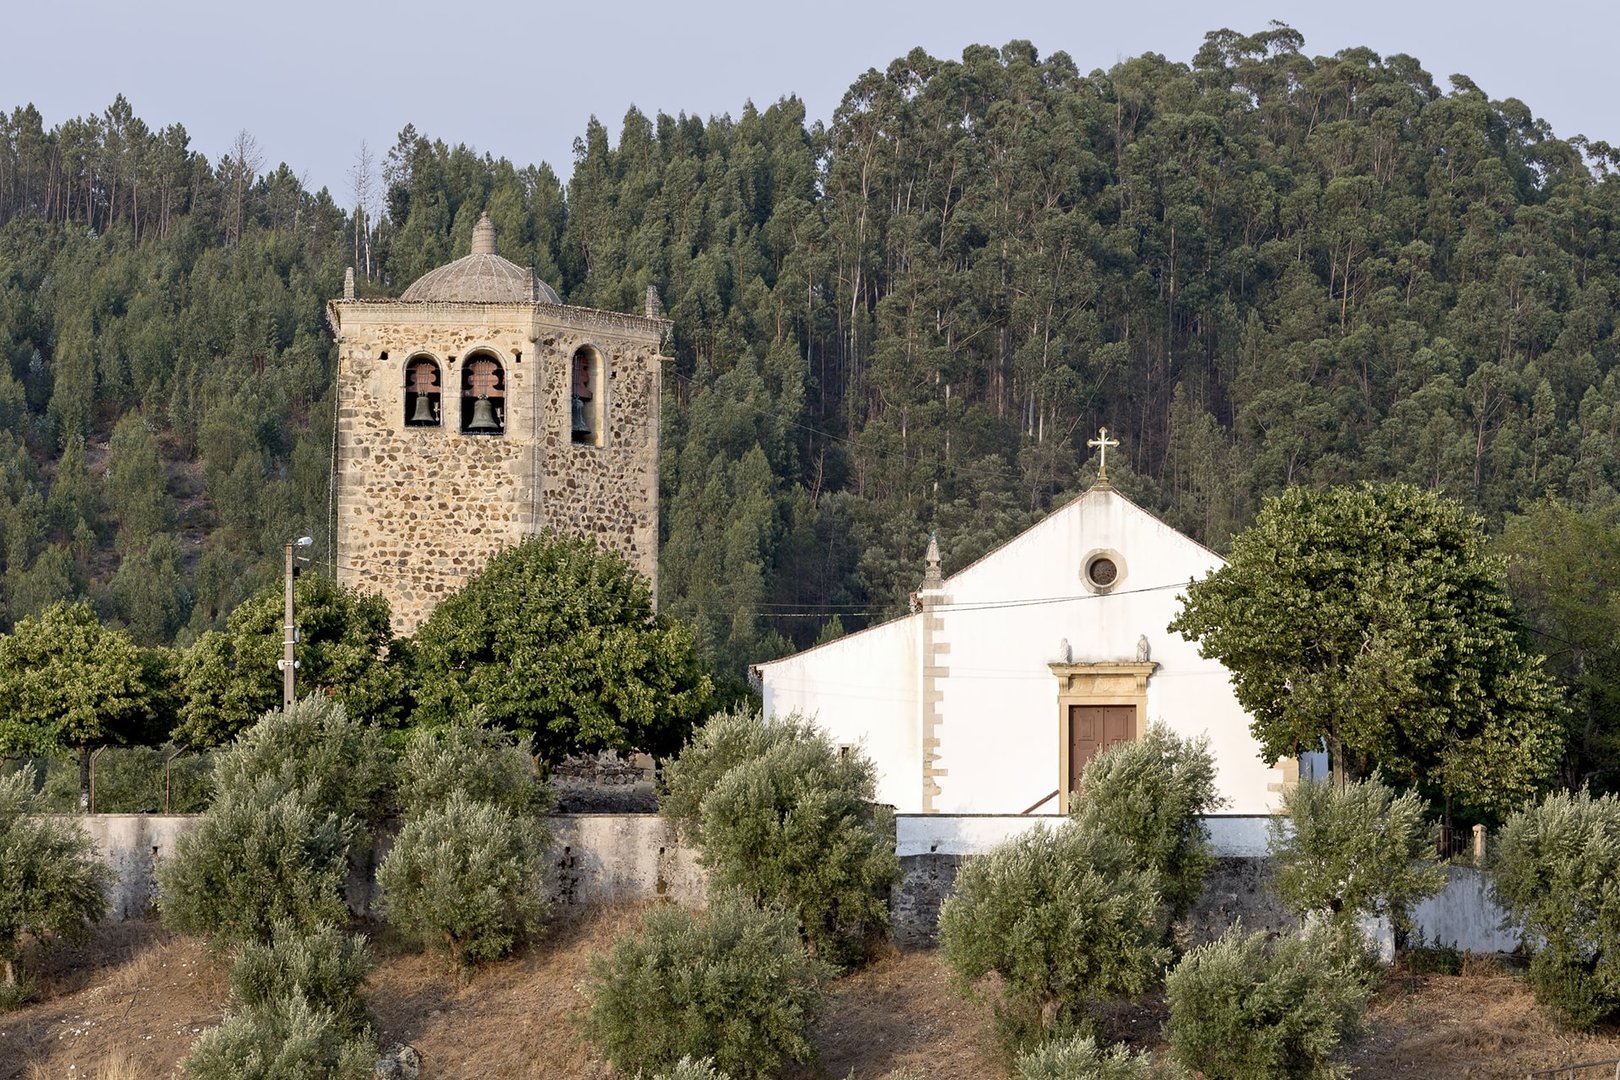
(1335, 747)
(84, 779)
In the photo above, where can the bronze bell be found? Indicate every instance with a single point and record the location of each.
(423, 414)
(483, 417)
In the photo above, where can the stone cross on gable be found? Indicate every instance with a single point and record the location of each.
(1102, 442)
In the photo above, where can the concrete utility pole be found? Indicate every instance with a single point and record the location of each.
(289, 637)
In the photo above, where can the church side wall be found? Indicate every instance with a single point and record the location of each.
(862, 690)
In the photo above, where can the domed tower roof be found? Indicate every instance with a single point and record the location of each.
(481, 277)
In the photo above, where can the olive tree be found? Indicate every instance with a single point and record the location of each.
(1557, 862)
(788, 820)
(50, 881)
(1153, 793)
(1361, 850)
(1066, 918)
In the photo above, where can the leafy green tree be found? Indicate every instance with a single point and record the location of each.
(1563, 569)
(346, 650)
(1556, 865)
(72, 684)
(1342, 853)
(558, 640)
(731, 984)
(1153, 793)
(50, 881)
(1373, 619)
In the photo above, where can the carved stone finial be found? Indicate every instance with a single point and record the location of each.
(932, 579)
(655, 306)
(348, 284)
(483, 238)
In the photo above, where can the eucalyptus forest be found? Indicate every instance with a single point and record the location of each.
(1256, 267)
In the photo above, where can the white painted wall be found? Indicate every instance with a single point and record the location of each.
(1230, 835)
(863, 690)
(1003, 620)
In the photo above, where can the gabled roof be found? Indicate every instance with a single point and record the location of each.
(1099, 490)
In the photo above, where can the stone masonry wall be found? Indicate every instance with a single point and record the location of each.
(422, 509)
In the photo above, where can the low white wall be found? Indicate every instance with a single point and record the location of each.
(1230, 835)
(625, 858)
(595, 859)
(615, 858)
(133, 845)
(1464, 915)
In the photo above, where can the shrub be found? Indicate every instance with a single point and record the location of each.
(262, 855)
(1063, 916)
(1556, 865)
(795, 824)
(692, 1069)
(50, 881)
(1242, 1011)
(339, 762)
(1153, 793)
(1080, 1058)
(1341, 853)
(731, 984)
(285, 1038)
(325, 968)
(465, 876)
(726, 740)
(473, 758)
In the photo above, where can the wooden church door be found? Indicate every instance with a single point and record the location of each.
(1094, 728)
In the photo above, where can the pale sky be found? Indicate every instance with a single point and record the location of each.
(312, 81)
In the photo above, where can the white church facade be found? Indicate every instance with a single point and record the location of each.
(1011, 673)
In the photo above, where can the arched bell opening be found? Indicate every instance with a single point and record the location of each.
(424, 392)
(483, 395)
(587, 414)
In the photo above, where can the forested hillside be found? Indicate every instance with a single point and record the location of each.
(1255, 267)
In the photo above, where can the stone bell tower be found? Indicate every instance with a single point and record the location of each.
(478, 409)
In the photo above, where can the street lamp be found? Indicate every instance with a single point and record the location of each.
(289, 637)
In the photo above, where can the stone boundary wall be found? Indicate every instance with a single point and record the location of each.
(601, 859)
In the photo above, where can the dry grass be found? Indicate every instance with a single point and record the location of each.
(131, 1003)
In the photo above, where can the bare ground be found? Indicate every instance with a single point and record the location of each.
(129, 1004)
